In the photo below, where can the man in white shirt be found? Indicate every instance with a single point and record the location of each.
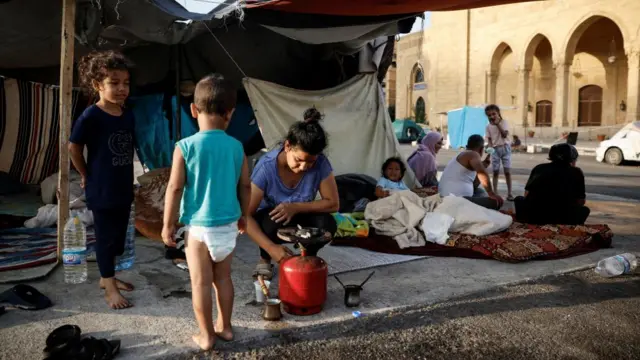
(497, 134)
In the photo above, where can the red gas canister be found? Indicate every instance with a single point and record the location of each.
(303, 284)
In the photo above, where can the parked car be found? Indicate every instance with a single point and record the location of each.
(623, 146)
(407, 131)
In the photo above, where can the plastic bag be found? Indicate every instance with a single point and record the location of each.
(48, 216)
(436, 227)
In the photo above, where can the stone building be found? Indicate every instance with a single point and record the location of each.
(552, 65)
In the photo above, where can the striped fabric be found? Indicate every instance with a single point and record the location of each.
(23, 248)
(29, 129)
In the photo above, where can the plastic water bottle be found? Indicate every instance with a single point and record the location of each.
(125, 261)
(617, 265)
(74, 252)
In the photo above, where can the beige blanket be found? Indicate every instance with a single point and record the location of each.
(399, 215)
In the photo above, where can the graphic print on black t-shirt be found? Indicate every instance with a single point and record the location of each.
(121, 145)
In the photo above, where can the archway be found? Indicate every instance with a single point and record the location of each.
(504, 79)
(418, 76)
(538, 58)
(418, 92)
(598, 75)
(590, 106)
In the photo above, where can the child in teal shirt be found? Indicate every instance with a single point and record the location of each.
(211, 175)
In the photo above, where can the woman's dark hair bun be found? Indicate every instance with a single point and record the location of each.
(308, 135)
(312, 115)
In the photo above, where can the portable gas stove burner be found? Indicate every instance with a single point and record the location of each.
(304, 235)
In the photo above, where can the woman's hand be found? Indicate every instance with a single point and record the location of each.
(279, 252)
(283, 213)
(168, 235)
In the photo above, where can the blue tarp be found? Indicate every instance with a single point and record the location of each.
(243, 125)
(188, 125)
(155, 140)
(465, 122)
(152, 131)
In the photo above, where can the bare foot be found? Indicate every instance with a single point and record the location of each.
(124, 286)
(115, 300)
(204, 342)
(224, 334)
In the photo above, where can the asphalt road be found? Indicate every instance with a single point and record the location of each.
(576, 316)
(622, 181)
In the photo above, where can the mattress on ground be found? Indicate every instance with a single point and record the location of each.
(520, 242)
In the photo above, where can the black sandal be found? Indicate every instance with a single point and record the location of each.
(65, 343)
(25, 297)
(61, 341)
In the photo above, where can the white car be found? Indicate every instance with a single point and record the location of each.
(623, 146)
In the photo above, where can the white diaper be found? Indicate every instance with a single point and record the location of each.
(220, 240)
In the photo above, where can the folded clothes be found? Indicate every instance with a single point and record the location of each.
(351, 225)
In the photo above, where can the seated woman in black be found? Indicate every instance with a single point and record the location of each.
(555, 192)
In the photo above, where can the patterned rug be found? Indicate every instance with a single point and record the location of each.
(521, 242)
(23, 248)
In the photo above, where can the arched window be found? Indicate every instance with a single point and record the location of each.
(418, 76)
(420, 111)
(590, 106)
(544, 111)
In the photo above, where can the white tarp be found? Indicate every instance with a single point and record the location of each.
(360, 132)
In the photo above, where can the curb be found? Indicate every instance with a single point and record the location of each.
(544, 148)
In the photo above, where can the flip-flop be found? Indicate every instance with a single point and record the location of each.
(510, 198)
(104, 349)
(61, 341)
(25, 297)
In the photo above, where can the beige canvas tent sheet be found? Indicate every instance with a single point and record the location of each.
(360, 131)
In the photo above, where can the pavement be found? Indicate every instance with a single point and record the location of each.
(575, 316)
(421, 294)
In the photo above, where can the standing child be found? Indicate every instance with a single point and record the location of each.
(211, 175)
(393, 171)
(497, 133)
(106, 129)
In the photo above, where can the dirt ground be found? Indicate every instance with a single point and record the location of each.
(574, 316)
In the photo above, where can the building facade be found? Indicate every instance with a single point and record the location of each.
(553, 66)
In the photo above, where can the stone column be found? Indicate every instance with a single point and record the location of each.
(492, 79)
(633, 86)
(523, 97)
(560, 106)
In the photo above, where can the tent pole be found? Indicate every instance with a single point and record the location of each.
(178, 107)
(67, 37)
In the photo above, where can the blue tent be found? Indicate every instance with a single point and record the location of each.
(465, 122)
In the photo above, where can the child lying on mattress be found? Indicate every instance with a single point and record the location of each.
(393, 171)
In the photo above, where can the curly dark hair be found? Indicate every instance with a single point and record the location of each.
(493, 107)
(308, 135)
(389, 161)
(96, 67)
